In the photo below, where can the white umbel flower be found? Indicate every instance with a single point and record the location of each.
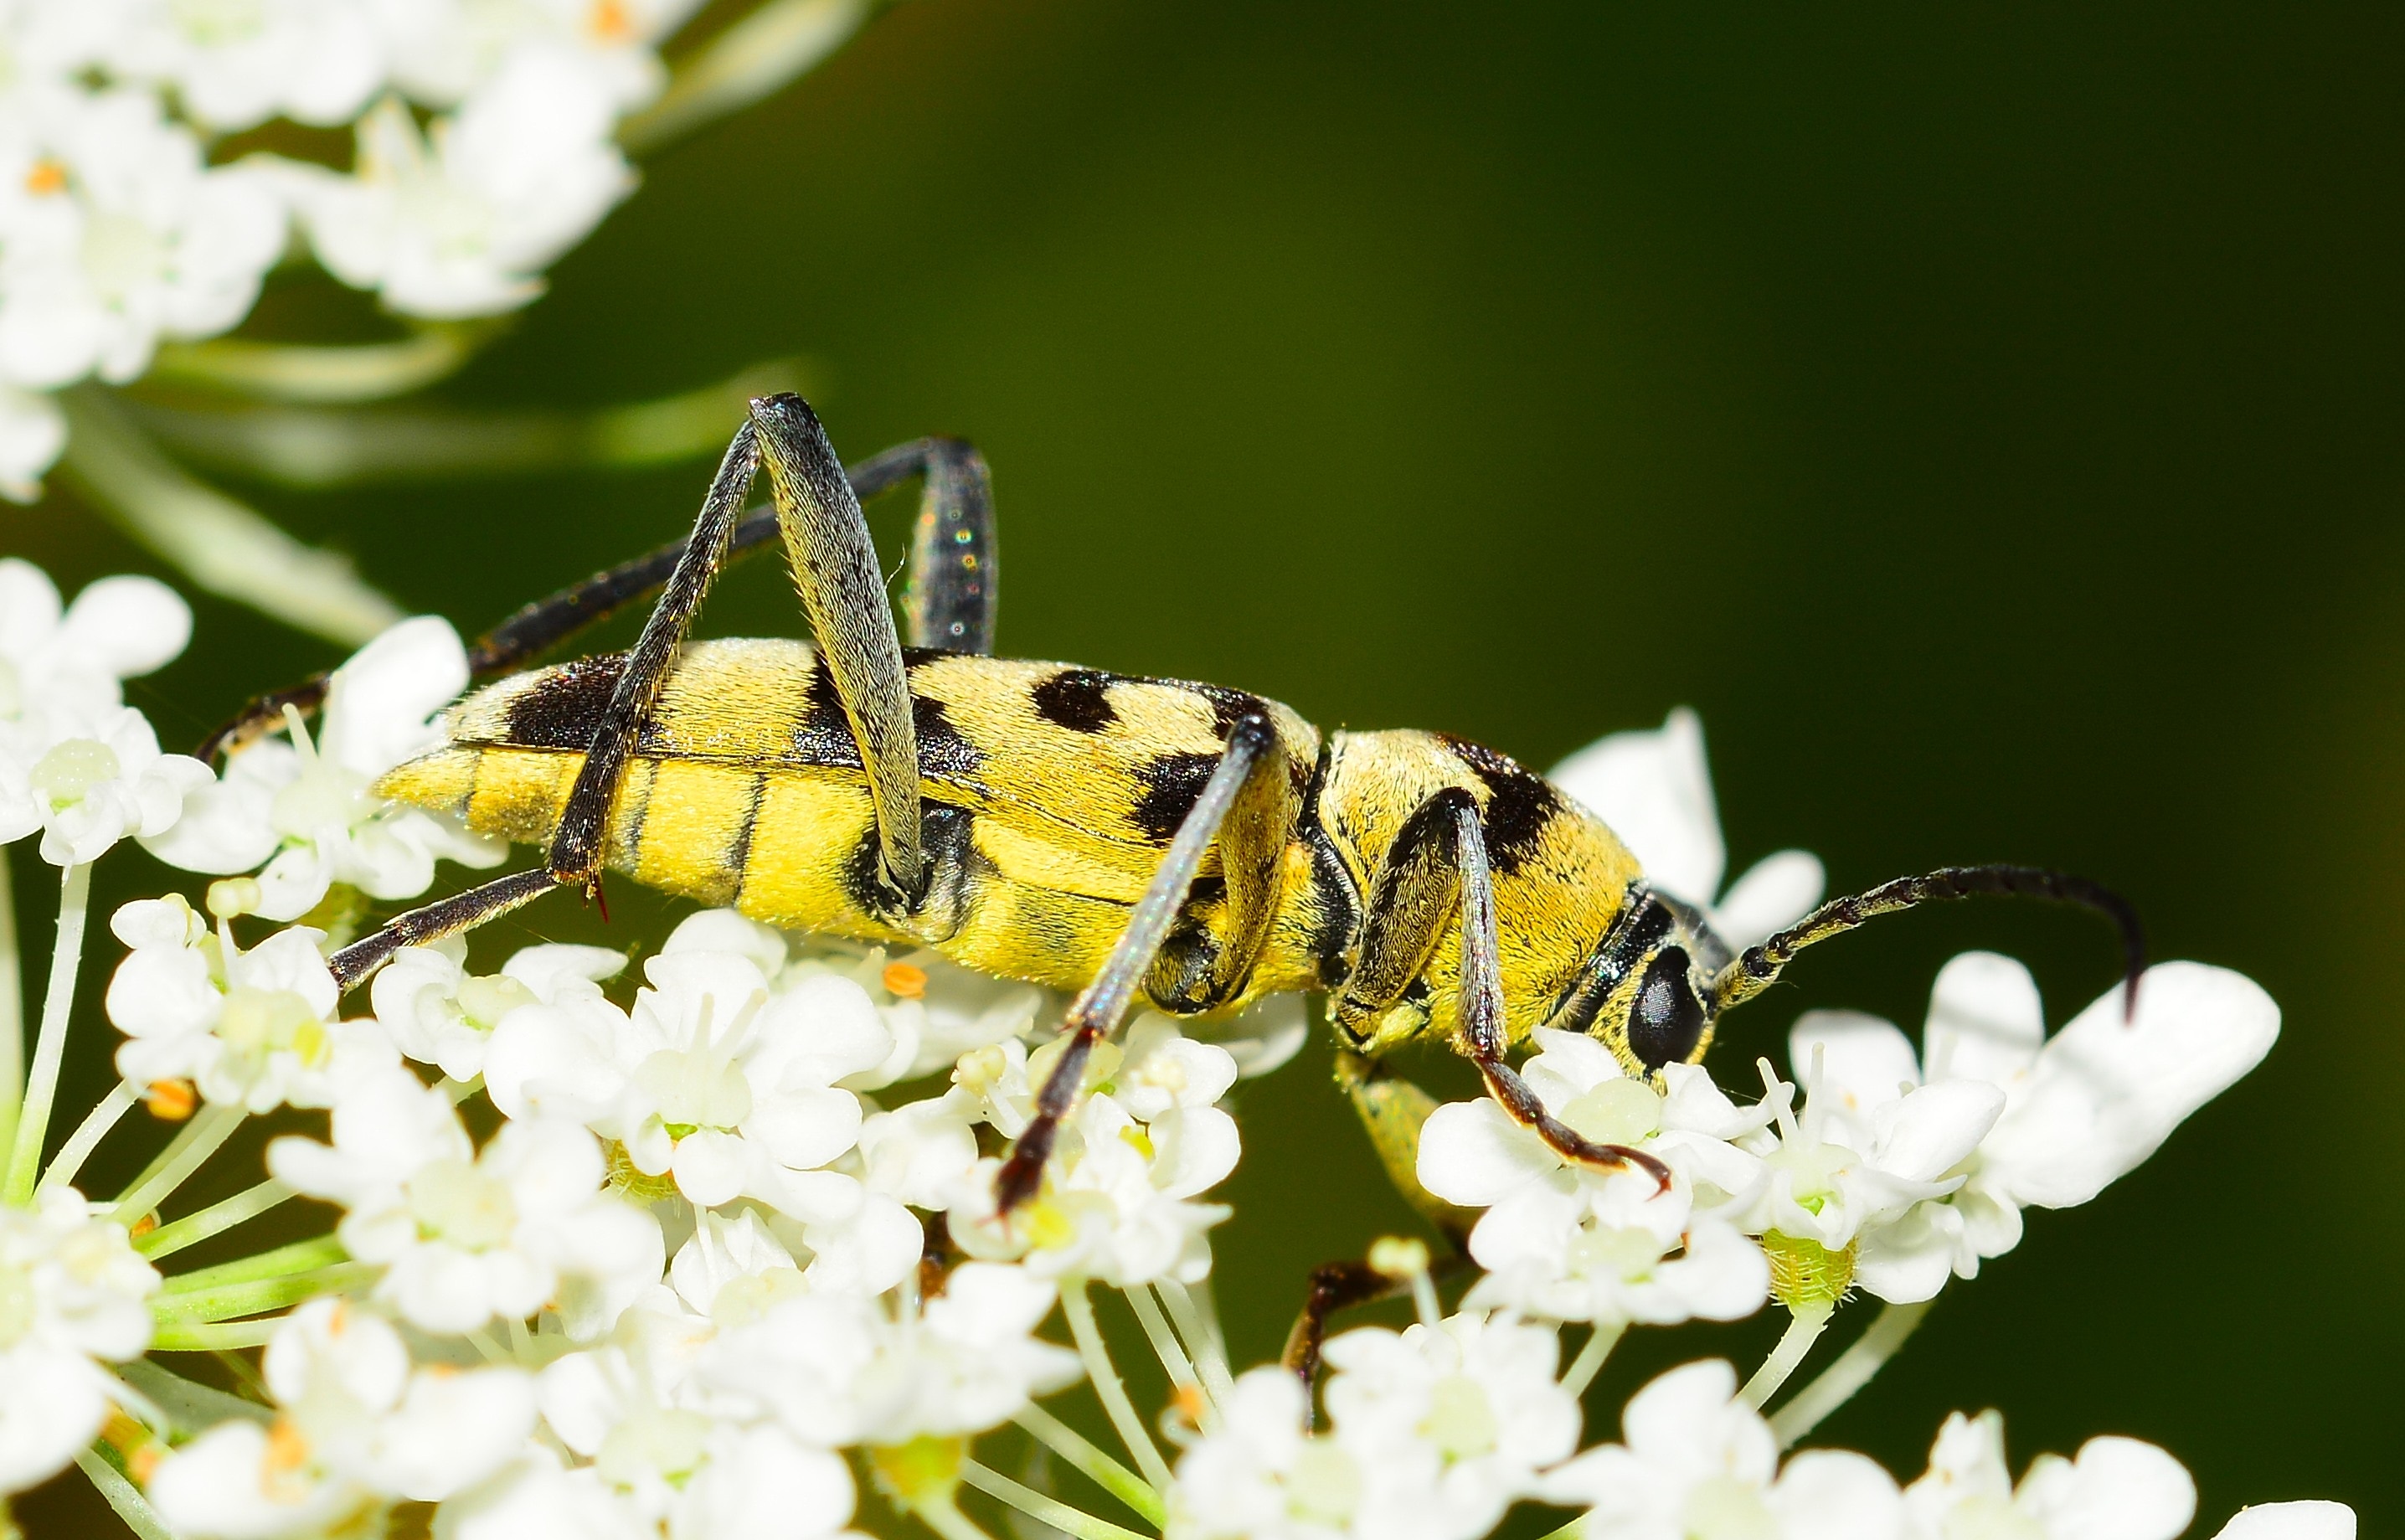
(307, 808)
(465, 1235)
(1118, 1203)
(1696, 1463)
(1568, 1243)
(1837, 1180)
(116, 235)
(463, 222)
(837, 1369)
(1655, 791)
(61, 664)
(436, 1013)
(249, 1028)
(1458, 1417)
(87, 791)
(2076, 1111)
(233, 66)
(711, 1080)
(358, 1428)
(2118, 1487)
(443, 49)
(1261, 1477)
(73, 1295)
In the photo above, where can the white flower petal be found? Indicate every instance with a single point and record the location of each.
(1985, 1020)
(2105, 1093)
(1655, 791)
(2310, 1520)
(1771, 895)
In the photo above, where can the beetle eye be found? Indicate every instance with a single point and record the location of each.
(1666, 1020)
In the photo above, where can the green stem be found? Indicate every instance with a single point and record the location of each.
(225, 546)
(185, 1154)
(298, 1257)
(189, 1405)
(88, 1135)
(12, 1009)
(213, 1337)
(330, 446)
(250, 1299)
(1804, 1323)
(747, 62)
(308, 372)
(948, 1521)
(1597, 1348)
(1201, 1335)
(1854, 1369)
(1165, 1345)
(1074, 1523)
(1089, 1460)
(122, 1495)
(49, 1046)
(1079, 1310)
(215, 1219)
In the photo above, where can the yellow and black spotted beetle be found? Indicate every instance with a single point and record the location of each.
(1094, 832)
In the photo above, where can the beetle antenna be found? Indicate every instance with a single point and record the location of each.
(1753, 972)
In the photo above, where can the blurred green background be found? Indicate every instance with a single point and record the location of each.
(1987, 417)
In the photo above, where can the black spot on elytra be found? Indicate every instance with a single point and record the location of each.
(1074, 698)
(1230, 707)
(1519, 804)
(942, 750)
(562, 710)
(1172, 783)
(824, 734)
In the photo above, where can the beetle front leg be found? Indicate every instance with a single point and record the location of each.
(1435, 873)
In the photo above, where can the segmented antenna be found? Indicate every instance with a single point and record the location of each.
(1753, 972)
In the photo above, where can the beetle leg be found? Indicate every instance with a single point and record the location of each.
(1392, 1110)
(950, 602)
(1341, 1286)
(1436, 870)
(575, 853)
(1254, 751)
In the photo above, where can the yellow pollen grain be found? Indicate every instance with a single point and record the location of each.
(610, 21)
(1187, 1404)
(144, 1226)
(286, 1446)
(905, 982)
(45, 178)
(171, 1101)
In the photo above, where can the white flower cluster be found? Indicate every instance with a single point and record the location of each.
(1884, 1176)
(483, 134)
(741, 1113)
(72, 1297)
(1436, 1432)
(77, 765)
(674, 1256)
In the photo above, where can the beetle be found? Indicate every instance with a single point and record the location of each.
(1125, 838)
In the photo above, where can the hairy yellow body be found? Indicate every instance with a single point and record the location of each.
(1050, 794)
